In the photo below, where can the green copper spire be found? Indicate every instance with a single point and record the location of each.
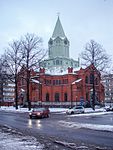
(58, 31)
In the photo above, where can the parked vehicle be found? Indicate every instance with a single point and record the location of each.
(75, 110)
(109, 108)
(39, 113)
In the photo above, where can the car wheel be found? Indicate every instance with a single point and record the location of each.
(30, 117)
(42, 116)
(72, 113)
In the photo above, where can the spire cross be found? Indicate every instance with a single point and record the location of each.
(58, 14)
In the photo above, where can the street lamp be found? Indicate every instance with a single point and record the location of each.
(71, 96)
(76, 100)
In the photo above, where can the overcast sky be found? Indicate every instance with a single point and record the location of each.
(82, 20)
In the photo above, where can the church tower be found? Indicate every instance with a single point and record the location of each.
(58, 52)
(58, 44)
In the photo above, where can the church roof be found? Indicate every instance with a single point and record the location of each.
(58, 30)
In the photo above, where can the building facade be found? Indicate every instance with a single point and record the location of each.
(108, 84)
(7, 90)
(72, 88)
(60, 80)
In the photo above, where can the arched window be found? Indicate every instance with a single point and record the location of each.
(65, 97)
(57, 97)
(86, 79)
(91, 78)
(47, 97)
(96, 81)
(56, 82)
(87, 97)
(58, 40)
(57, 62)
(54, 62)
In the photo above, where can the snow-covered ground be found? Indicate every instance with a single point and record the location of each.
(12, 140)
(55, 110)
(76, 125)
(17, 141)
(88, 111)
(21, 110)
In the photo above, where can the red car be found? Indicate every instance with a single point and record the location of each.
(39, 113)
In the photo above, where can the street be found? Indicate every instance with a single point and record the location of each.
(59, 127)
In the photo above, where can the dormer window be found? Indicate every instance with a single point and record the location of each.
(50, 42)
(57, 40)
(57, 62)
(65, 42)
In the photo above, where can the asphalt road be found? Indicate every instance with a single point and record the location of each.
(52, 127)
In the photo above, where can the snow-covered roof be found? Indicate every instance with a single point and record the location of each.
(59, 71)
(56, 71)
(35, 81)
(22, 90)
(76, 81)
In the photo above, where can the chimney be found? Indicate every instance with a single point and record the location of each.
(42, 70)
(70, 70)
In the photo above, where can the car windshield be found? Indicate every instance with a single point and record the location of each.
(38, 109)
(79, 107)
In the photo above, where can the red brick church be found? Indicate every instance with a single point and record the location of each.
(60, 80)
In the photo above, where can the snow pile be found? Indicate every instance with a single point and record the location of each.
(12, 109)
(72, 145)
(17, 141)
(77, 125)
(58, 110)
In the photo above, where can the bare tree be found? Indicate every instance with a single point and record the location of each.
(95, 54)
(33, 54)
(13, 59)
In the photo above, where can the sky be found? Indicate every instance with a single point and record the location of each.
(82, 20)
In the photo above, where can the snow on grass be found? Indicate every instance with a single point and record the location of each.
(91, 114)
(11, 108)
(58, 110)
(88, 111)
(77, 125)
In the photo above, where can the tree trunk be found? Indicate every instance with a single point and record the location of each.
(28, 80)
(16, 95)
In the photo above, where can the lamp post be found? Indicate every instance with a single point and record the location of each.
(76, 100)
(71, 96)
